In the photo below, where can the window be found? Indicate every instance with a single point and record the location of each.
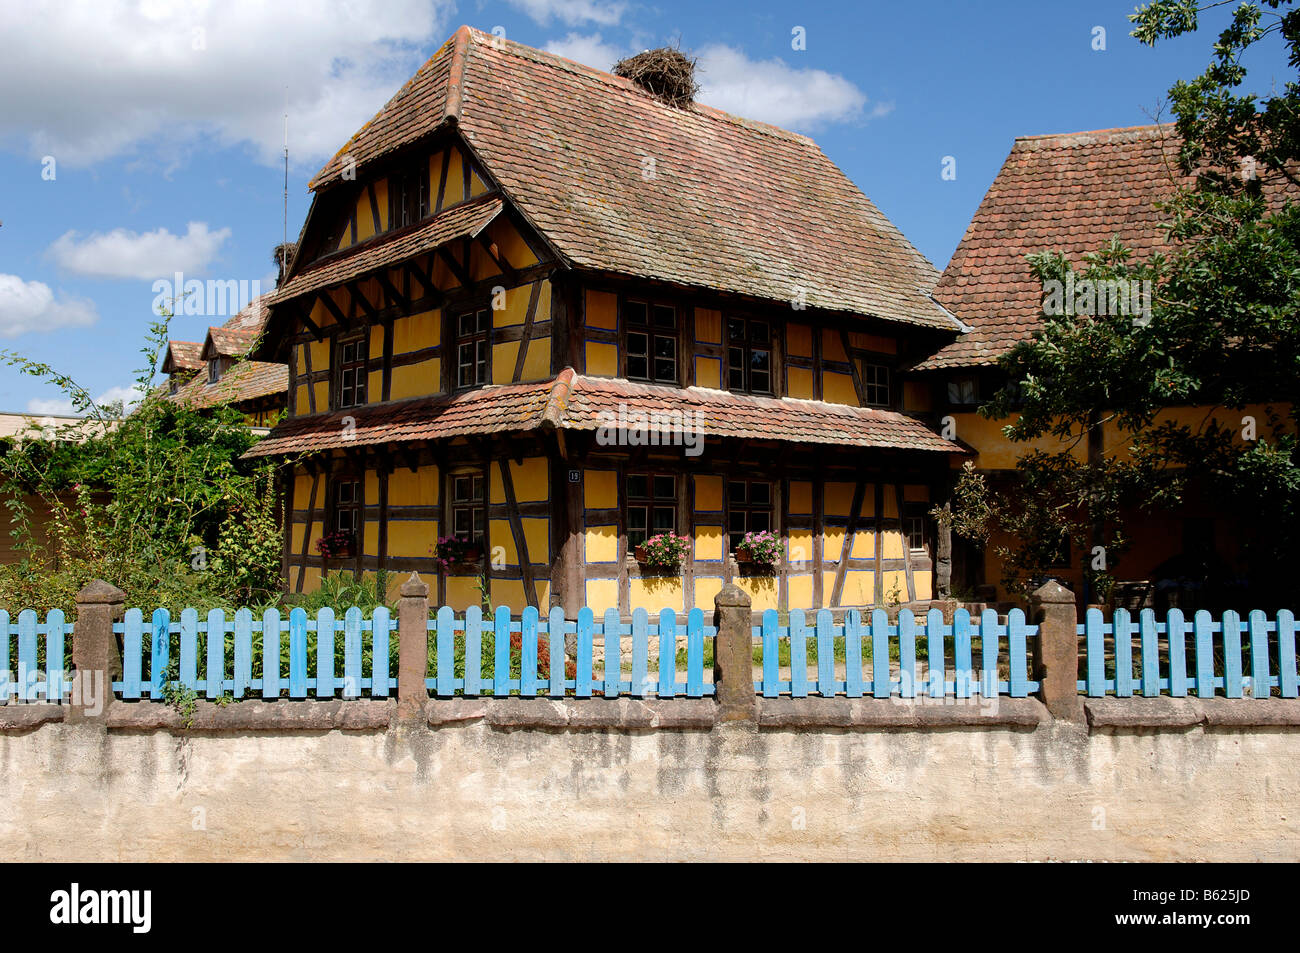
(408, 196)
(914, 528)
(214, 370)
(749, 509)
(651, 506)
(651, 342)
(472, 330)
(353, 356)
(875, 384)
(749, 355)
(347, 506)
(467, 515)
(963, 391)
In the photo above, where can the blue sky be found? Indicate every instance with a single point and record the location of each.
(165, 123)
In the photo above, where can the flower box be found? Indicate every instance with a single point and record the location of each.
(663, 551)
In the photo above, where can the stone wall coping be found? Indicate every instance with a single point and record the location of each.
(1166, 712)
(918, 714)
(253, 715)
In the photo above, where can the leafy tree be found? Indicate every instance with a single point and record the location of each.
(1223, 333)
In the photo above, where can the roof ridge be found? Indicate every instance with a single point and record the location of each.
(1113, 130)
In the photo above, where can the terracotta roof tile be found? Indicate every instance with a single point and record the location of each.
(1068, 193)
(573, 402)
(731, 204)
(246, 380)
(227, 342)
(183, 356)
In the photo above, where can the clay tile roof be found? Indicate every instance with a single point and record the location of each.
(465, 220)
(246, 380)
(730, 204)
(183, 356)
(1068, 193)
(226, 342)
(574, 402)
(509, 407)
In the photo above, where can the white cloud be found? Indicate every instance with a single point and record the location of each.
(589, 50)
(125, 254)
(573, 12)
(62, 406)
(31, 306)
(773, 91)
(85, 81)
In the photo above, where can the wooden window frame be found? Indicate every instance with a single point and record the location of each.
(408, 194)
(214, 370)
(480, 336)
(354, 506)
(747, 348)
(747, 508)
(357, 371)
(627, 328)
(474, 507)
(914, 514)
(956, 381)
(649, 503)
(873, 364)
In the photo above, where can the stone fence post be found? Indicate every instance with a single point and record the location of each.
(1056, 650)
(412, 649)
(95, 657)
(733, 654)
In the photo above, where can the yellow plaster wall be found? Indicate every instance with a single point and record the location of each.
(706, 588)
(600, 544)
(708, 372)
(599, 489)
(799, 590)
(708, 542)
(654, 593)
(602, 310)
(799, 383)
(413, 489)
(763, 591)
(838, 389)
(602, 594)
(602, 359)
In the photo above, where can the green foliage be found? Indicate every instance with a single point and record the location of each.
(156, 502)
(342, 590)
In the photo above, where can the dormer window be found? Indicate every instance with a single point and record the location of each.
(214, 370)
(408, 195)
(650, 341)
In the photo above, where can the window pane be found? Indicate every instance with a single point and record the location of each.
(477, 487)
(736, 522)
(736, 378)
(760, 382)
(760, 360)
(636, 518)
(665, 370)
(760, 494)
(735, 491)
(760, 521)
(638, 486)
(466, 324)
(664, 521)
(735, 330)
(665, 316)
(665, 346)
(758, 333)
(634, 312)
(665, 488)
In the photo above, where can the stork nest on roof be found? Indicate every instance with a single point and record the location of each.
(665, 73)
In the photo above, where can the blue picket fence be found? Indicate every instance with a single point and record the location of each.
(273, 656)
(962, 660)
(42, 652)
(1235, 656)
(466, 645)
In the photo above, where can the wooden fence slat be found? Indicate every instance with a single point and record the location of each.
(880, 683)
(352, 653)
(1123, 634)
(907, 686)
(1150, 653)
(585, 648)
(243, 672)
(613, 653)
(1095, 645)
(473, 651)
(798, 655)
(961, 655)
(55, 683)
(1017, 653)
(667, 654)
(381, 625)
(989, 646)
(825, 653)
(6, 686)
(501, 652)
(695, 654)
(445, 653)
(528, 652)
(1287, 677)
(1231, 628)
(189, 649)
(1260, 680)
(270, 652)
(132, 652)
(325, 630)
(298, 652)
(640, 652)
(555, 645)
(1176, 633)
(934, 633)
(215, 672)
(1202, 626)
(770, 634)
(852, 652)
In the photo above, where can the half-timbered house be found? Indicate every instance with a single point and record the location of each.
(539, 308)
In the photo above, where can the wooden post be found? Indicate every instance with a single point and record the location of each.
(95, 657)
(733, 654)
(1056, 651)
(412, 650)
